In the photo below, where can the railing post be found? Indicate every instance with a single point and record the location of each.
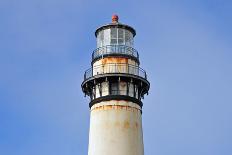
(128, 69)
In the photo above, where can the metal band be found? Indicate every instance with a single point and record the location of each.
(116, 97)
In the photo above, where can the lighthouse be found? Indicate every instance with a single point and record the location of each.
(116, 85)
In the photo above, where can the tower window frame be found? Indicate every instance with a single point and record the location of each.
(114, 88)
(117, 36)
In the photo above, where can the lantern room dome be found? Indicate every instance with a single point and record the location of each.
(115, 24)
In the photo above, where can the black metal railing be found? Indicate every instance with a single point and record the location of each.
(129, 92)
(115, 68)
(114, 49)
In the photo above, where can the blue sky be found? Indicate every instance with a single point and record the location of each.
(185, 47)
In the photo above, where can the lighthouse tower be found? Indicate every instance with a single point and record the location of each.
(115, 84)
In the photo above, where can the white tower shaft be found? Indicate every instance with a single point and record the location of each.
(116, 129)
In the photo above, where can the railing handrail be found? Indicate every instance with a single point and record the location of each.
(115, 49)
(130, 69)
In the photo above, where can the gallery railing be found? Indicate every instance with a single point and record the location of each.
(115, 49)
(115, 68)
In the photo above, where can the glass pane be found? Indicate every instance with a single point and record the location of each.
(131, 89)
(106, 37)
(101, 36)
(120, 33)
(120, 41)
(98, 42)
(123, 88)
(114, 88)
(128, 38)
(105, 88)
(136, 92)
(97, 90)
(113, 41)
(113, 33)
(94, 93)
(100, 39)
(127, 35)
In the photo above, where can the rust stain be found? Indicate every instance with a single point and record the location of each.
(116, 107)
(126, 125)
(117, 124)
(136, 125)
(97, 108)
(114, 60)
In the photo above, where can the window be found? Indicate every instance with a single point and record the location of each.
(93, 93)
(114, 36)
(105, 88)
(123, 88)
(113, 41)
(131, 89)
(114, 88)
(98, 90)
(106, 37)
(136, 92)
(128, 38)
(100, 39)
(121, 36)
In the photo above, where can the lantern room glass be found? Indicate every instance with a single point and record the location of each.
(115, 36)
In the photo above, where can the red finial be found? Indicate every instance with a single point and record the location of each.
(114, 18)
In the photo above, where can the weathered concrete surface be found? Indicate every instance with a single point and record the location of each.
(107, 65)
(116, 129)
